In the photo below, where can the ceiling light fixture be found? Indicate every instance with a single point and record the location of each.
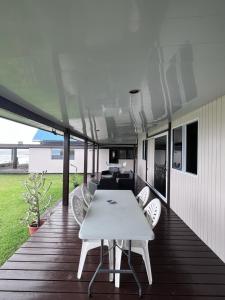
(135, 91)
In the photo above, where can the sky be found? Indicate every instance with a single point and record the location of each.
(12, 132)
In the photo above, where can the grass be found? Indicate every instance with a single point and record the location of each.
(13, 208)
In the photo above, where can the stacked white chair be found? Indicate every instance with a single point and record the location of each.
(87, 197)
(143, 196)
(78, 209)
(152, 211)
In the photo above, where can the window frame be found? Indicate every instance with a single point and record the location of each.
(53, 157)
(172, 152)
(57, 157)
(184, 145)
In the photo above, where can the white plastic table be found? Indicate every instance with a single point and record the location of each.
(115, 215)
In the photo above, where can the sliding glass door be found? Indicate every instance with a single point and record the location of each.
(160, 165)
(157, 163)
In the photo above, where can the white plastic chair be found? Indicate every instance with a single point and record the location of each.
(143, 196)
(152, 211)
(87, 197)
(78, 209)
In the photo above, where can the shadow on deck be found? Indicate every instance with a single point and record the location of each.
(45, 266)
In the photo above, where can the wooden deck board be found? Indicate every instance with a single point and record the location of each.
(45, 267)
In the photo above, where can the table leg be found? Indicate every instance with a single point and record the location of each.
(98, 268)
(132, 269)
(114, 259)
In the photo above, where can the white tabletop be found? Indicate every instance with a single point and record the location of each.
(122, 221)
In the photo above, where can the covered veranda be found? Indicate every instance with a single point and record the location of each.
(45, 267)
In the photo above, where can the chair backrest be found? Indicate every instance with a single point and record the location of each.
(143, 196)
(92, 186)
(87, 197)
(153, 211)
(78, 209)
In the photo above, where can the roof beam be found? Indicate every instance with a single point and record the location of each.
(17, 109)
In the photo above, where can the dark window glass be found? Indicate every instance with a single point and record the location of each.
(177, 148)
(130, 153)
(122, 154)
(144, 149)
(192, 148)
(58, 154)
(113, 156)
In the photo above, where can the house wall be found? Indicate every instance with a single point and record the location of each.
(199, 199)
(40, 160)
(150, 161)
(129, 164)
(141, 163)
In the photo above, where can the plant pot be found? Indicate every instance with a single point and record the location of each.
(33, 229)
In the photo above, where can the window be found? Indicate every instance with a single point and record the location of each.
(185, 148)
(58, 154)
(144, 149)
(130, 154)
(177, 148)
(120, 153)
(113, 156)
(192, 147)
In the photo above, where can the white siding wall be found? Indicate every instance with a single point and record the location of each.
(141, 164)
(199, 199)
(103, 159)
(40, 160)
(129, 164)
(150, 161)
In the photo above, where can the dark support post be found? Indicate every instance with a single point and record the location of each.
(169, 166)
(14, 158)
(97, 159)
(146, 158)
(66, 166)
(135, 157)
(85, 160)
(93, 160)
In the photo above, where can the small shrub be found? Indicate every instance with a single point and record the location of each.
(37, 197)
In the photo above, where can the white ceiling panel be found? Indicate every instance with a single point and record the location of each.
(75, 61)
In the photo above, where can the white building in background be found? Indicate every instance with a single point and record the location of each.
(47, 159)
(49, 156)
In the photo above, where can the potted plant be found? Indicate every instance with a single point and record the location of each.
(37, 198)
(74, 177)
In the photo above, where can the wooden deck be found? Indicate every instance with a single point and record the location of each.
(45, 267)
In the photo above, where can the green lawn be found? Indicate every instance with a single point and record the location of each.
(13, 208)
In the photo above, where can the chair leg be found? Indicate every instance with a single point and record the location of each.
(110, 244)
(146, 259)
(83, 254)
(117, 266)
